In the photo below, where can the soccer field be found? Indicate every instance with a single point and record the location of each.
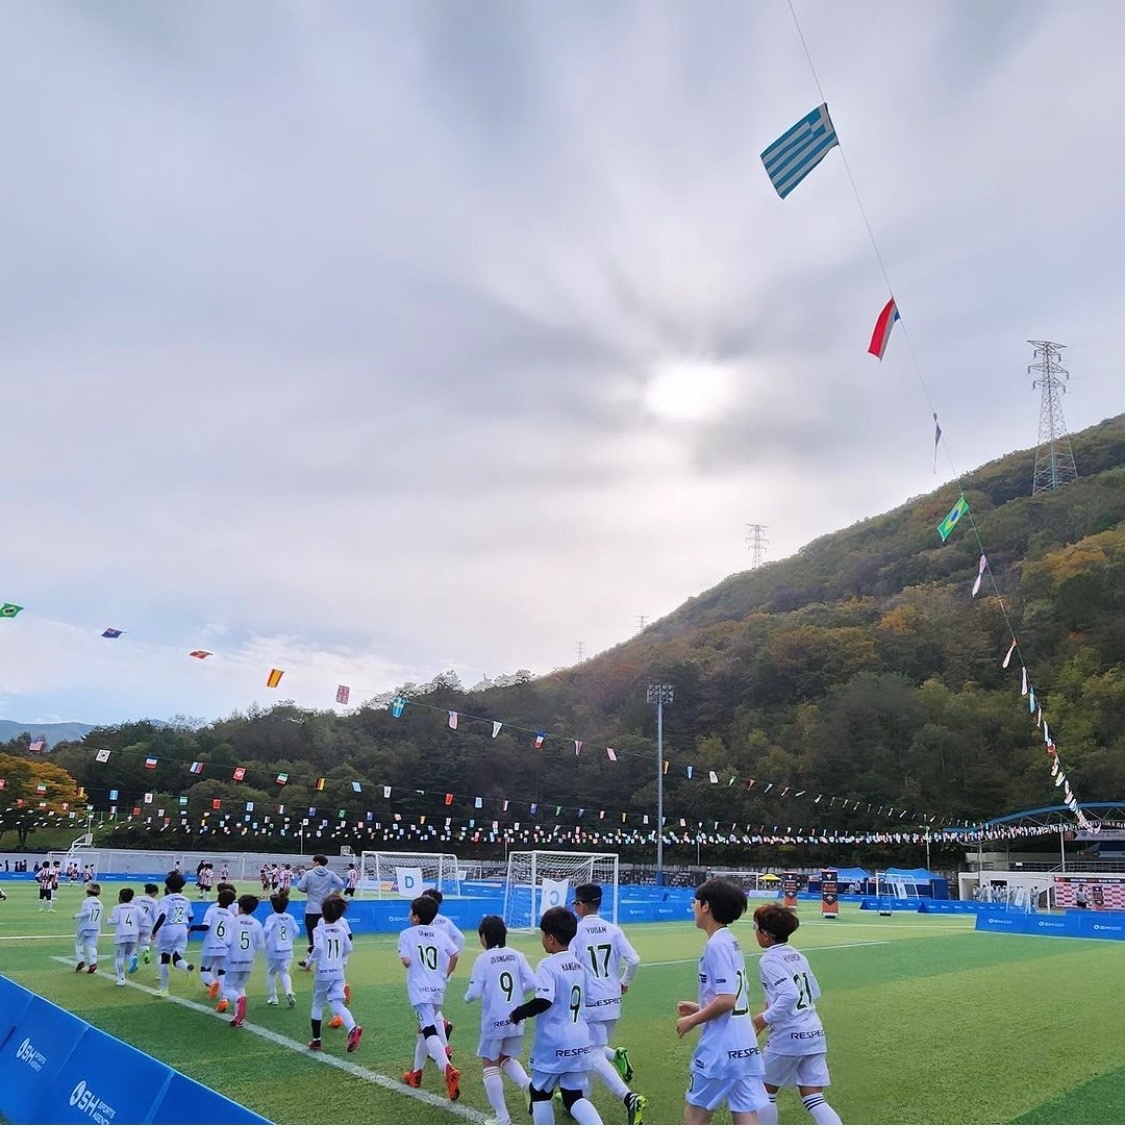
(928, 1022)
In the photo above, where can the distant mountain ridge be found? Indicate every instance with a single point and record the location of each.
(53, 733)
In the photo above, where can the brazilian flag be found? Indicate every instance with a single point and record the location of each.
(952, 517)
(9, 610)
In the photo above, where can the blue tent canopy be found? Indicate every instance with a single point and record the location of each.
(853, 874)
(917, 875)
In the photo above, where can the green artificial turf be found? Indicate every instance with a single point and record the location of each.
(928, 1022)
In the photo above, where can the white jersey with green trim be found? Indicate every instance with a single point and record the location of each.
(727, 1043)
(610, 961)
(500, 979)
(791, 992)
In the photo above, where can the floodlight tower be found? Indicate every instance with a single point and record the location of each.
(757, 543)
(1054, 457)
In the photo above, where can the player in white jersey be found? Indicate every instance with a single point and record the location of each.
(279, 930)
(89, 918)
(170, 929)
(727, 1064)
(454, 933)
(147, 905)
(429, 957)
(561, 1050)
(797, 1052)
(332, 944)
(216, 927)
(610, 962)
(244, 943)
(125, 918)
(46, 880)
(500, 978)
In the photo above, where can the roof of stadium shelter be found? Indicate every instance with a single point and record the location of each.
(1050, 818)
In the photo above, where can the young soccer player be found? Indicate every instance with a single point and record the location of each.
(610, 962)
(125, 918)
(500, 978)
(170, 929)
(46, 889)
(796, 1053)
(216, 927)
(561, 1051)
(429, 957)
(89, 918)
(727, 1064)
(351, 880)
(332, 944)
(147, 906)
(455, 934)
(244, 943)
(279, 930)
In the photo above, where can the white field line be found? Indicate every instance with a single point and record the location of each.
(52, 936)
(809, 948)
(346, 1066)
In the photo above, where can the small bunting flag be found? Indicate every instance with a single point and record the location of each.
(452, 718)
(102, 756)
(9, 610)
(981, 566)
(196, 767)
(274, 679)
(343, 692)
(282, 778)
(952, 517)
(357, 787)
(320, 783)
(41, 788)
(112, 632)
(150, 762)
(216, 804)
(37, 746)
(1008, 656)
(578, 748)
(200, 654)
(397, 706)
(238, 774)
(611, 754)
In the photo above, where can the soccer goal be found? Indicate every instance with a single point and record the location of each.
(385, 874)
(541, 879)
(901, 886)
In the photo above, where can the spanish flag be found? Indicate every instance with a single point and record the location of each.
(274, 680)
(320, 783)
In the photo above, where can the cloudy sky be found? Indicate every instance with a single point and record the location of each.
(369, 340)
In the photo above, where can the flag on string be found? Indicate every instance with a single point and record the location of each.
(1031, 699)
(478, 802)
(611, 754)
(274, 679)
(397, 706)
(357, 787)
(150, 762)
(249, 805)
(578, 748)
(200, 654)
(112, 632)
(148, 796)
(113, 795)
(1008, 656)
(102, 756)
(937, 439)
(196, 767)
(343, 692)
(881, 334)
(952, 517)
(1023, 683)
(713, 777)
(496, 727)
(982, 564)
(37, 746)
(320, 783)
(238, 774)
(9, 610)
(386, 791)
(449, 798)
(41, 788)
(282, 778)
(216, 804)
(452, 718)
(750, 784)
(799, 150)
(539, 738)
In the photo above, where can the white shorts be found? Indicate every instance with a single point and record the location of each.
(215, 958)
(601, 1033)
(277, 965)
(493, 1049)
(741, 1093)
(169, 940)
(784, 1072)
(328, 991)
(546, 1082)
(428, 1015)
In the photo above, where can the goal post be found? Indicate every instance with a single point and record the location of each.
(384, 873)
(542, 879)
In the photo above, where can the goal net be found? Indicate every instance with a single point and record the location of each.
(385, 874)
(903, 887)
(541, 879)
(74, 857)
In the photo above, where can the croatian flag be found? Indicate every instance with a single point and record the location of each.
(883, 326)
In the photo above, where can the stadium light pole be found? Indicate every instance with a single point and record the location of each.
(660, 694)
(927, 830)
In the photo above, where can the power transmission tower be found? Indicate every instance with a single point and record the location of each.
(757, 543)
(641, 621)
(579, 650)
(1054, 457)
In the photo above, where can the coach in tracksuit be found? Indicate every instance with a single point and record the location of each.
(316, 884)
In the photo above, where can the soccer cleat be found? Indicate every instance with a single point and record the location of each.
(291, 999)
(302, 965)
(237, 1022)
(452, 1082)
(146, 955)
(213, 990)
(413, 1077)
(272, 1003)
(635, 1107)
(240, 1010)
(189, 968)
(315, 1045)
(622, 1064)
(132, 965)
(120, 982)
(354, 1036)
(335, 1022)
(223, 1005)
(162, 993)
(448, 1029)
(347, 992)
(81, 966)
(91, 969)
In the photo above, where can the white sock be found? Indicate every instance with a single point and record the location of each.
(609, 1076)
(286, 982)
(494, 1090)
(420, 1053)
(820, 1110)
(205, 976)
(119, 967)
(78, 955)
(164, 974)
(437, 1051)
(513, 1067)
(542, 1112)
(768, 1115)
(584, 1112)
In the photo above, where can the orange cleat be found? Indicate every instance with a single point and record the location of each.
(413, 1077)
(335, 1022)
(347, 992)
(213, 990)
(452, 1082)
(222, 1007)
(354, 1036)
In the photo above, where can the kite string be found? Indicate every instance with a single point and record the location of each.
(910, 346)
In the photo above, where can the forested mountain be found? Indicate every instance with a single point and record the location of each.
(860, 670)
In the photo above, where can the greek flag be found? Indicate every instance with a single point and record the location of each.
(799, 150)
